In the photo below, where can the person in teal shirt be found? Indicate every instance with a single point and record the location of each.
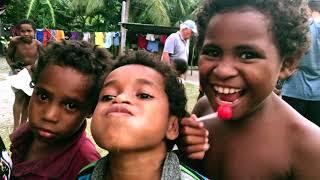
(302, 89)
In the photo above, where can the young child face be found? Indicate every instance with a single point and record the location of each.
(58, 105)
(26, 31)
(239, 63)
(133, 110)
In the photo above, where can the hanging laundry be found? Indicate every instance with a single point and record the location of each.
(60, 35)
(46, 36)
(39, 35)
(86, 36)
(142, 42)
(116, 39)
(150, 37)
(108, 39)
(53, 35)
(74, 36)
(99, 39)
(153, 46)
(163, 39)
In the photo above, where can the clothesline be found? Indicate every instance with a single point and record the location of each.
(102, 39)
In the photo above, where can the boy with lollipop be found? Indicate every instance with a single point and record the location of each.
(245, 46)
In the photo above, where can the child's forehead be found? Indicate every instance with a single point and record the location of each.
(25, 25)
(252, 11)
(52, 69)
(239, 21)
(138, 73)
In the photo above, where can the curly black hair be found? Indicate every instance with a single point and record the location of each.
(26, 21)
(180, 65)
(79, 55)
(288, 22)
(173, 88)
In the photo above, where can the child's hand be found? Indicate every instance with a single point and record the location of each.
(194, 138)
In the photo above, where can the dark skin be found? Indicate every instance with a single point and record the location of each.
(57, 110)
(22, 54)
(240, 148)
(266, 139)
(202, 107)
(23, 49)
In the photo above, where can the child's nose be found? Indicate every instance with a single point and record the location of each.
(225, 70)
(52, 113)
(122, 98)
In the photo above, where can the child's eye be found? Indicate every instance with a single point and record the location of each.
(42, 96)
(107, 98)
(71, 106)
(144, 96)
(212, 52)
(249, 55)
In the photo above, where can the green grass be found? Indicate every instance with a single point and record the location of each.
(191, 91)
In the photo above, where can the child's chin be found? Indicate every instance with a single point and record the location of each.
(26, 39)
(119, 149)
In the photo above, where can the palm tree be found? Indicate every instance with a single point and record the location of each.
(162, 12)
(39, 4)
(149, 11)
(88, 7)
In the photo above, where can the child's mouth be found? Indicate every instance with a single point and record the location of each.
(227, 95)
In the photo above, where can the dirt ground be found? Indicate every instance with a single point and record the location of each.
(6, 102)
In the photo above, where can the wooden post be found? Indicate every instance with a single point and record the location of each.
(124, 19)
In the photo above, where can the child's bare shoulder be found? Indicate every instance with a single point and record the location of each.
(304, 138)
(202, 107)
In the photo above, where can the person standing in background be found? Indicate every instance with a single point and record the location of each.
(23, 52)
(302, 89)
(177, 44)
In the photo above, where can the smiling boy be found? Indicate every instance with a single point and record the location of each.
(245, 47)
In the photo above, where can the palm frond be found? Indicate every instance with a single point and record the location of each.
(51, 13)
(95, 5)
(32, 3)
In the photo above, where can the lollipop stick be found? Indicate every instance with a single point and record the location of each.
(209, 116)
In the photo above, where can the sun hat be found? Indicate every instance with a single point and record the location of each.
(189, 24)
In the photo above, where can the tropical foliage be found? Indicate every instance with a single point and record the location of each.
(97, 15)
(162, 12)
(84, 15)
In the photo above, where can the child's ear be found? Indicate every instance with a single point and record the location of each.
(173, 128)
(289, 66)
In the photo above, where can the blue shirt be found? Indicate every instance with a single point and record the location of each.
(305, 83)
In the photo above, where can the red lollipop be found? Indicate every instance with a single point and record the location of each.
(225, 112)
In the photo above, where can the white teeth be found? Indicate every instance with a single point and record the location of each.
(225, 90)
